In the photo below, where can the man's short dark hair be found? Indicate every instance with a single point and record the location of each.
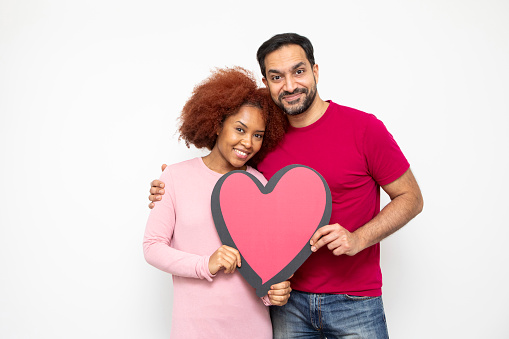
(280, 40)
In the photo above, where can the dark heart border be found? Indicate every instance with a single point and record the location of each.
(247, 272)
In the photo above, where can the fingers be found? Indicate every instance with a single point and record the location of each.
(154, 197)
(156, 192)
(341, 250)
(220, 260)
(279, 293)
(281, 288)
(331, 240)
(337, 239)
(234, 256)
(236, 253)
(279, 300)
(319, 233)
(163, 166)
(224, 258)
(321, 237)
(157, 183)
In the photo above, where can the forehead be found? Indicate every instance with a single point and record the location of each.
(248, 115)
(285, 58)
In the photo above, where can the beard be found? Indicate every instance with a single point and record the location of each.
(297, 109)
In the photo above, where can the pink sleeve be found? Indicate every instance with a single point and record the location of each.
(266, 300)
(385, 159)
(158, 237)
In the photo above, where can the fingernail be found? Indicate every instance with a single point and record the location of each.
(161, 185)
(313, 249)
(158, 198)
(311, 242)
(161, 191)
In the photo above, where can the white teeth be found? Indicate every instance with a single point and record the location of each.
(240, 152)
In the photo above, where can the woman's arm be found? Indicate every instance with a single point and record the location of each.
(158, 237)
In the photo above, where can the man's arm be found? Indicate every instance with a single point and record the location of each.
(406, 203)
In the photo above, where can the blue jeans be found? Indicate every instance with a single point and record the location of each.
(309, 315)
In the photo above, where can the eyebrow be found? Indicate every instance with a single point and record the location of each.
(302, 63)
(243, 124)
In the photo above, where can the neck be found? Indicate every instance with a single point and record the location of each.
(313, 113)
(217, 164)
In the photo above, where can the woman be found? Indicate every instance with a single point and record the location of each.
(239, 123)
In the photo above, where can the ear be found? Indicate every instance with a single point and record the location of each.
(315, 72)
(265, 82)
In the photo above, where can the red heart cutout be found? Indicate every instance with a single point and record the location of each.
(270, 225)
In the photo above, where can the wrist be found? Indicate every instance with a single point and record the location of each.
(211, 269)
(360, 239)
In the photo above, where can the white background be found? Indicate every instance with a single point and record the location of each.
(89, 96)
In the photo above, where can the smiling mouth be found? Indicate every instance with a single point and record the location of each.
(292, 98)
(240, 153)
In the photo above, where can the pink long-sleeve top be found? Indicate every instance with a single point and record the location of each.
(180, 237)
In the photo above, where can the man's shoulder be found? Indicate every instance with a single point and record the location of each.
(350, 113)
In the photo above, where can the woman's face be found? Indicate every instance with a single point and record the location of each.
(240, 137)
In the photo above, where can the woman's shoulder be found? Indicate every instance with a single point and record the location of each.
(194, 162)
(257, 174)
(182, 168)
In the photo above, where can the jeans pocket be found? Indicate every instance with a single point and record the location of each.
(356, 297)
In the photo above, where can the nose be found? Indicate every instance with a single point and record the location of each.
(246, 142)
(289, 84)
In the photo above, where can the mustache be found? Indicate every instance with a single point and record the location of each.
(297, 90)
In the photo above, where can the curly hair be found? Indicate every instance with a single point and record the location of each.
(221, 95)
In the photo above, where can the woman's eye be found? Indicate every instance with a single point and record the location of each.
(259, 136)
(239, 129)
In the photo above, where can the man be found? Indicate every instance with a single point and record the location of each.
(337, 291)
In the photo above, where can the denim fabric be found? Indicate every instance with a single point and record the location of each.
(309, 315)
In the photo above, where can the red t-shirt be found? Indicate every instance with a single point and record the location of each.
(356, 155)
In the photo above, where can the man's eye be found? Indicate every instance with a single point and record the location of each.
(276, 77)
(300, 71)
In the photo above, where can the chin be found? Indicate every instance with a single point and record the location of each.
(238, 164)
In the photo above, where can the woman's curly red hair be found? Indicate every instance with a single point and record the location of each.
(221, 95)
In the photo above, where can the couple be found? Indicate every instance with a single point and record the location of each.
(337, 292)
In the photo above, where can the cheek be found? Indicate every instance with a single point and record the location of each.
(257, 145)
(274, 91)
(225, 141)
(230, 137)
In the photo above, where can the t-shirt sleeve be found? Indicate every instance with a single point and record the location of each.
(158, 237)
(385, 160)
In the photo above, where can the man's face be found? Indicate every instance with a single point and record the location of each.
(291, 79)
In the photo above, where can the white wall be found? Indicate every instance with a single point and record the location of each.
(89, 95)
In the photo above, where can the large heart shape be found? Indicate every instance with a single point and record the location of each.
(271, 225)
